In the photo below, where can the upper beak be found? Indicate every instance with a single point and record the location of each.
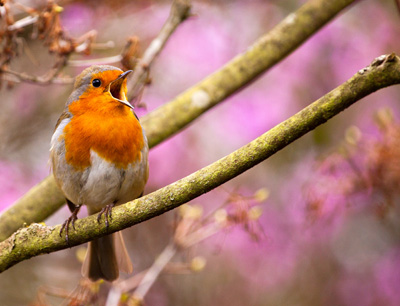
(114, 88)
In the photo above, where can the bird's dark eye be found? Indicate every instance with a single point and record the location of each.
(96, 83)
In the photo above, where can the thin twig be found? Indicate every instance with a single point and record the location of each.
(96, 61)
(47, 78)
(149, 278)
(85, 42)
(28, 20)
(180, 11)
(103, 46)
(200, 235)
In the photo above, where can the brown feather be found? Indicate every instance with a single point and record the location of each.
(105, 257)
(63, 116)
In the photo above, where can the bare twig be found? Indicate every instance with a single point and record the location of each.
(96, 61)
(28, 20)
(103, 46)
(84, 43)
(147, 279)
(180, 11)
(49, 77)
(155, 270)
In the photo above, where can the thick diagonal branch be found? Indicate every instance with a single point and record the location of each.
(45, 198)
(39, 239)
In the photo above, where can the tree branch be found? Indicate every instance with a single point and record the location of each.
(39, 239)
(175, 115)
(48, 78)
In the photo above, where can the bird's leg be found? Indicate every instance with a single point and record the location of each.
(70, 220)
(107, 211)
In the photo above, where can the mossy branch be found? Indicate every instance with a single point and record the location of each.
(45, 198)
(39, 239)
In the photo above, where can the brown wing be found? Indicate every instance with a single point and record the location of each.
(65, 114)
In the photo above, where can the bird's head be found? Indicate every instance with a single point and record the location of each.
(101, 85)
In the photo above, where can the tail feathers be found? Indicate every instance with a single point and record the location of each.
(106, 256)
(123, 259)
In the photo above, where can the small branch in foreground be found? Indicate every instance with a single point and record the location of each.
(96, 61)
(39, 239)
(49, 77)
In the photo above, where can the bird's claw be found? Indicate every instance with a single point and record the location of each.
(107, 211)
(70, 220)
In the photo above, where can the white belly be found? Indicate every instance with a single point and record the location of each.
(101, 183)
(106, 184)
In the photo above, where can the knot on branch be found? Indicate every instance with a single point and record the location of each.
(181, 9)
(380, 61)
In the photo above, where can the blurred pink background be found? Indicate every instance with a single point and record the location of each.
(330, 232)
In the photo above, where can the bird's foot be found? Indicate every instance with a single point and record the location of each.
(107, 211)
(70, 220)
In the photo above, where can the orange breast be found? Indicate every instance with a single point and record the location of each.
(105, 126)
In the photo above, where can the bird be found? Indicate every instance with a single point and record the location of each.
(99, 158)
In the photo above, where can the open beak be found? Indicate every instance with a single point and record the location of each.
(115, 89)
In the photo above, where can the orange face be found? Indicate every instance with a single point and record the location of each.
(102, 97)
(103, 123)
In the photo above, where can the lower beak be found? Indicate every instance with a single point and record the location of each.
(114, 88)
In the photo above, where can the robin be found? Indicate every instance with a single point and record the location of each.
(99, 158)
